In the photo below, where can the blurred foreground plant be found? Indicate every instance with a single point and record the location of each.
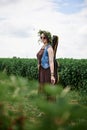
(13, 93)
(64, 114)
(21, 108)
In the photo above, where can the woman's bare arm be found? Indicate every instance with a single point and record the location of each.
(51, 62)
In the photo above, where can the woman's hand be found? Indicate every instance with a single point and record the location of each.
(52, 79)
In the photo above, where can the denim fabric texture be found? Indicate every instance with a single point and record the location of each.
(45, 58)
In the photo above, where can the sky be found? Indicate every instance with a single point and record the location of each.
(20, 21)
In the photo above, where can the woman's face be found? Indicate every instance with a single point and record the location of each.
(43, 38)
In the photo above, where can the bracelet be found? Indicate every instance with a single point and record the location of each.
(52, 74)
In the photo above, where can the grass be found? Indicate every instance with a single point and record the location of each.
(21, 108)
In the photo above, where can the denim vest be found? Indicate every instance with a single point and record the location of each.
(45, 58)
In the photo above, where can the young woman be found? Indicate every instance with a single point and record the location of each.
(45, 61)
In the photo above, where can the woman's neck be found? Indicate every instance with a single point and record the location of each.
(45, 44)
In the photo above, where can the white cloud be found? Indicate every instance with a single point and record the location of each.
(21, 20)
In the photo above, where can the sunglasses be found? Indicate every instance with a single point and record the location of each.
(43, 37)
